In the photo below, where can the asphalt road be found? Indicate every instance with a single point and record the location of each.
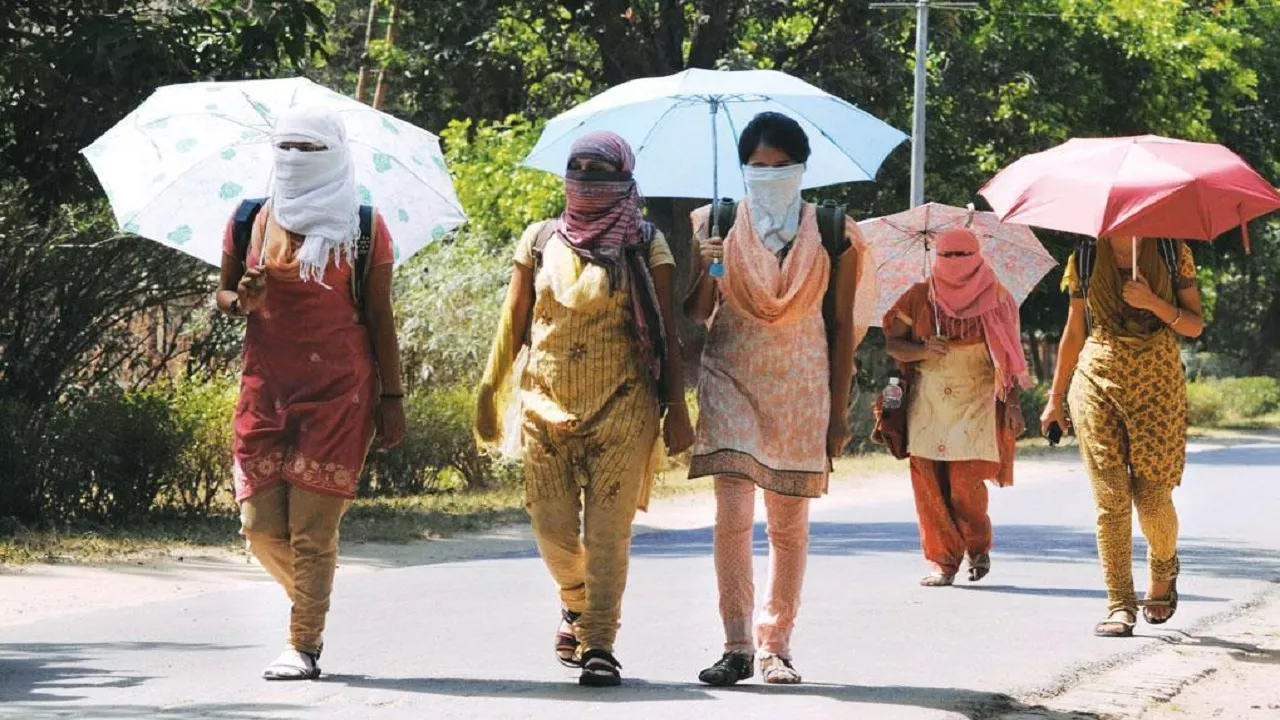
(473, 639)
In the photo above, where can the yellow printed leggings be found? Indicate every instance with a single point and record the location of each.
(1129, 408)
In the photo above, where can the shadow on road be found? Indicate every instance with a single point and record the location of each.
(1075, 593)
(1251, 455)
(198, 711)
(53, 672)
(969, 703)
(1039, 543)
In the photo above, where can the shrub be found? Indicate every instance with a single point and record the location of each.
(438, 453)
(1032, 401)
(1218, 401)
(204, 411)
(101, 458)
(1204, 404)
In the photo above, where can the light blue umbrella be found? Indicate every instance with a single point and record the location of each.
(685, 127)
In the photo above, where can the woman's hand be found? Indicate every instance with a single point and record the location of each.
(1138, 294)
(677, 429)
(1054, 412)
(390, 423)
(839, 435)
(711, 250)
(252, 290)
(935, 347)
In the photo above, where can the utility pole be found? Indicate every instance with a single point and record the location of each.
(922, 8)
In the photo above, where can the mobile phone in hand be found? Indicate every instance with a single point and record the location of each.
(1054, 435)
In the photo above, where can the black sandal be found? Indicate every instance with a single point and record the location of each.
(600, 669)
(732, 668)
(567, 640)
(979, 566)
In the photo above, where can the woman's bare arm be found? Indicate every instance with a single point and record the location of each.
(380, 315)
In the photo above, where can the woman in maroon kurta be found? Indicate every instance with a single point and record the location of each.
(321, 370)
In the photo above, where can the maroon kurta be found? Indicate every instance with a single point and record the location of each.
(310, 382)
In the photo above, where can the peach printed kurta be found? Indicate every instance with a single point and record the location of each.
(764, 393)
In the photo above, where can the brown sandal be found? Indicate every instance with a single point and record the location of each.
(1113, 628)
(1170, 602)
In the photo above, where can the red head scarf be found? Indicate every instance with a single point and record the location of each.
(603, 224)
(965, 288)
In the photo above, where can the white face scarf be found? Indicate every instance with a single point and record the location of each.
(315, 192)
(773, 197)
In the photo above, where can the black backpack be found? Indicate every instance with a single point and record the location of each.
(831, 223)
(1086, 255)
(242, 233)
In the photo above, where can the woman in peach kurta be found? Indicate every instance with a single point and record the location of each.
(958, 337)
(774, 390)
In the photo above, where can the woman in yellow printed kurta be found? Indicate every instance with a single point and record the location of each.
(590, 296)
(1128, 397)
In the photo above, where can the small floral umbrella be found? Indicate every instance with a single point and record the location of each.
(903, 245)
(176, 167)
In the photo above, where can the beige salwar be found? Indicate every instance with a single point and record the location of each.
(294, 534)
(589, 433)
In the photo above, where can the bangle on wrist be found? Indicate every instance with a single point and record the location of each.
(1176, 318)
(234, 308)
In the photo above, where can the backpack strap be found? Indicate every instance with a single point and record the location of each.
(546, 231)
(831, 224)
(242, 225)
(1086, 255)
(364, 248)
(1169, 251)
(724, 213)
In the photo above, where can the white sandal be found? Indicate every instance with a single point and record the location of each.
(777, 670)
(293, 664)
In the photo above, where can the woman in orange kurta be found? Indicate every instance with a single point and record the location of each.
(959, 338)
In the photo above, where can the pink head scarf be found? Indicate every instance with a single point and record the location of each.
(965, 288)
(603, 224)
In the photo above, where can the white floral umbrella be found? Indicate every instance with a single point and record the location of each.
(175, 168)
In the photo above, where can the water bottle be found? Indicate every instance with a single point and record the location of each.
(717, 269)
(893, 394)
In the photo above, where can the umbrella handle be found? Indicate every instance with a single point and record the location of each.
(717, 267)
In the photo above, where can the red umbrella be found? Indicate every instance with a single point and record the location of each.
(1146, 186)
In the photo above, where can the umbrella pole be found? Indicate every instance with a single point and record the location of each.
(717, 268)
(1134, 244)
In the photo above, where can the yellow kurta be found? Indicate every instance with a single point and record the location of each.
(590, 410)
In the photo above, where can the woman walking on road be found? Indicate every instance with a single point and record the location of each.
(321, 368)
(590, 297)
(774, 388)
(1119, 354)
(959, 339)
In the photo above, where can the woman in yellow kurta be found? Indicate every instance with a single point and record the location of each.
(1128, 397)
(590, 296)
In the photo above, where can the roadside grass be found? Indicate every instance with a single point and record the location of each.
(409, 519)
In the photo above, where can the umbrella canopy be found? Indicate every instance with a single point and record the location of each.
(685, 127)
(903, 244)
(1145, 186)
(175, 168)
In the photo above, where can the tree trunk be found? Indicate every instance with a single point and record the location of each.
(363, 82)
(1268, 337)
(380, 95)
